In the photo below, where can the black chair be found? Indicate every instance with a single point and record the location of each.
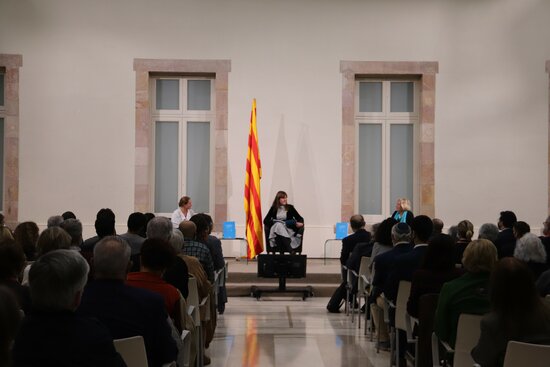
(281, 246)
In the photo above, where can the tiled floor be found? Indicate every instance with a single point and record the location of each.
(289, 332)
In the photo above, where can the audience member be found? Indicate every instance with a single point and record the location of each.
(437, 226)
(383, 264)
(127, 311)
(135, 236)
(197, 246)
(5, 232)
(543, 284)
(517, 313)
(545, 238)
(159, 228)
(74, 228)
(382, 239)
(467, 294)
(50, 239)
(104, 226)
(488, 231)
(10, 318)
(178, 273)
(453, 233)
(520, 228)
(364, 242)
(359, 235)
(26, 236)
(506, 242)
(12, 262)
(465, 232)
(55, 221)
(530, 250)
(215, 246)
(68, 215)
(156, 256)
(406, 264)
(54, 335)
(437, 268)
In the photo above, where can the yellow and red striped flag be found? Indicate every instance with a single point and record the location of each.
(252, 201)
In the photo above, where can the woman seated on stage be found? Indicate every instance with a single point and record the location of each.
(183, 212)
(284, 225)
(402, 211)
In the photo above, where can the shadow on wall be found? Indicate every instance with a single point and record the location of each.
(282, 177)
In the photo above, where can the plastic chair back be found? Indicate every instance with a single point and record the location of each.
(132, 351)
(401, 304)
(467, 336)
(533, 355)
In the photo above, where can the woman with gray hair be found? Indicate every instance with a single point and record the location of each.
(530, 250)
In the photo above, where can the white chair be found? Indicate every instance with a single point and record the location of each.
(363, 290)
(194, 307)
(132, 351)
(532, 355)
(467, 335)
(402, 318)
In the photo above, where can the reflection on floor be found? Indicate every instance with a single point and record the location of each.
(289, 332)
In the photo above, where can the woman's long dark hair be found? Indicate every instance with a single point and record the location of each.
(383, 233)
(514, 297)
(280, 194)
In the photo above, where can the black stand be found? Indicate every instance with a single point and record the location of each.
(282, 267)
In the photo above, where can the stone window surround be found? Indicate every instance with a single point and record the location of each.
(426, 71)
(10, 207)
(144, 129)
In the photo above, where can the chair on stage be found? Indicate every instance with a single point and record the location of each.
(281, 247)
(340, 232)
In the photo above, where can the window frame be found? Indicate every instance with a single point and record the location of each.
(386, 119)
(144, 174)
(425, 72)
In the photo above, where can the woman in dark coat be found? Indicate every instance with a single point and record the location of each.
(283, 225)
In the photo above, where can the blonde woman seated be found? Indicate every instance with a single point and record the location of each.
(284, 226)
(403, 211)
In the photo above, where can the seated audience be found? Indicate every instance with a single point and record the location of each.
(467, 294)
(127, 311)
(104, 226)
(68, 215)
(488, 231)
(382, 239)
(530, 250)
(437, 268)
(50, 239)
(54, 221)
(517, 313)
(135, 236)
(464, 232)
(359, 235)
(543, 284)
(10, 318)
(519, 229)
(453, 233)
(156, 256)
(383, 264)
(178, 273)
(545, 238)
(54, 335)
(12, 262)
(437, 226)
(506, 242)
(215, 246)
(197, 246)
(5, 232)
(74, 228)
(26, 236)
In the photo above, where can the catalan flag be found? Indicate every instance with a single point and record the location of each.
(252, 202)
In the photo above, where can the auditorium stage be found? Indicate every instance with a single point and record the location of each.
(324, 278)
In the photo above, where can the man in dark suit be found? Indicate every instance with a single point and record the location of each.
(404, 267)
(359, 235)
(383, 264)
(125, 310)
(506, 242)
(54, 335)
